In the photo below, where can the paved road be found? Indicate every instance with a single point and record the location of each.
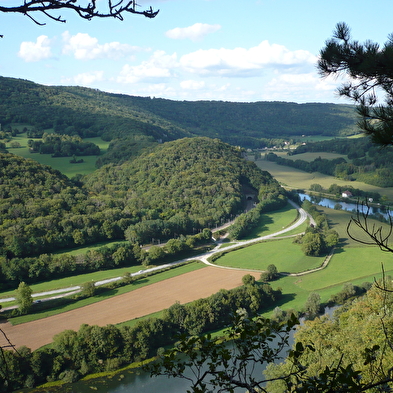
(303, 216)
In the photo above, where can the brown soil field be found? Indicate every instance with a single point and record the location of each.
(144, 301)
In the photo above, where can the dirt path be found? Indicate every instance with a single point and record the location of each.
(185, 288)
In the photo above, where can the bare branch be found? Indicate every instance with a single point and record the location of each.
(88, 11)
(376, 235)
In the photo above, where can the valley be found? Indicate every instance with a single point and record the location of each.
(158, 185)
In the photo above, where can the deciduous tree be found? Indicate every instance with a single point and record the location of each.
(24, 298)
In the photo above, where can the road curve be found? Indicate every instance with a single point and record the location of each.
(303, 216)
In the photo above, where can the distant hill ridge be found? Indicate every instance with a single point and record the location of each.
(90, 112)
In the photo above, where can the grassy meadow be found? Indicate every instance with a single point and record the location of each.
(283, 253)
(60, 163)
(274, 222)
(311, 156)
(352, 262)
(354, 265)
(297, 179)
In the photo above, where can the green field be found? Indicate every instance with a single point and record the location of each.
(76, 280)
(287, 257)
(311, 156)
(351, 262)
(85, 249)
(355, 265)
(60, 163)
(274, 222)
(297, 179)
(312, 138)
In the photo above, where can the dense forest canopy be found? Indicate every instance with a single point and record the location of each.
(89, 112)
(358, 337)
(179, 188)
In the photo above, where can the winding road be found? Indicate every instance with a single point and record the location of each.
(303, 216)
(138, 303)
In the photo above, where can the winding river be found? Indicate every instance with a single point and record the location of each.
(348, 206)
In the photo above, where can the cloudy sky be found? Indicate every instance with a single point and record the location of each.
(228, 50)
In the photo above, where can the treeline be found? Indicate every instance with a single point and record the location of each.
(53, 266)
(338, 191)
(43, 211)
(63, 146)
(247, 123)
(125, 149)
(319, 238)
(79, 111)
(322, 165)
(89, 112)
(201, 177)
(353, 148)
(271, 197)
(367, 163)
(94, 349)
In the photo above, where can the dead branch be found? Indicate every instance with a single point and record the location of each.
(115, 10)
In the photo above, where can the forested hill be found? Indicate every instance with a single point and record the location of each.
(245, 124)
(201, 177)
(89, 112)
(180, 187)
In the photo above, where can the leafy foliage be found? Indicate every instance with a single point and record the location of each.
(318, 239)
(63, 146)
(88, 112)
(94, 349)
(218, 365)
(356, 342)
(176, 190)
(270, 274)
(168, 180)
(23, 297)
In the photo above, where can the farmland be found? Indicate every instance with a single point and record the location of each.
(297, 179)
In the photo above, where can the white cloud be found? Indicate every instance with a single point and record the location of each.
(88, 78)
(35, 51)
(84, 47)
(195, 32)
(305, 87)
(192, 85)
(245, 62)
(159, 66)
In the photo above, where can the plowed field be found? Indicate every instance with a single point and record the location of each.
(185, 288)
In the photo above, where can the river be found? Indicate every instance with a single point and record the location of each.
(139, 381)
(351, 207)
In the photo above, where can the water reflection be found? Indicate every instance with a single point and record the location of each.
(132, 381)
(351, 207)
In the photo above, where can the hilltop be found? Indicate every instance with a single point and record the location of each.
(90, 113)
(180, 187)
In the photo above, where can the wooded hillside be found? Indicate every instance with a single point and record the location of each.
(89, 112)
(179, 188)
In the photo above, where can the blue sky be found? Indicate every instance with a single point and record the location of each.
(256, 50)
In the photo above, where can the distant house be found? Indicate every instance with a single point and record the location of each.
(346, 194)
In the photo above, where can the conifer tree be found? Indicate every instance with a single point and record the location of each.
(369, 68)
